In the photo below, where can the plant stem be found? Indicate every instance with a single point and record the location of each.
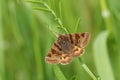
(85, 67)
(51, 11)
(56, 18)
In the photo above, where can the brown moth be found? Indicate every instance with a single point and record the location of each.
(67, 47)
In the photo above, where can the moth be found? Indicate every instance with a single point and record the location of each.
(67, 47)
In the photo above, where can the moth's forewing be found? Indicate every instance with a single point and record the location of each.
(80, 41)
(53, 56)
(84, 39)
(52, 60)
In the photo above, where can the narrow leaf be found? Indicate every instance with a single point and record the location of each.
(36, 2)
(58, 73)
(102, 60)
(2, 70)
(43, 9)
(77, 24)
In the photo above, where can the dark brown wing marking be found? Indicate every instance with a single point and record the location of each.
(71, 39)
(77, 38)
(81, 39)
(57, 46)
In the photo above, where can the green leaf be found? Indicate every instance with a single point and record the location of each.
(58, 73)
(102, 60)
(2, 64)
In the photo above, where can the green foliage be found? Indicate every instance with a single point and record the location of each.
(59, 73)
(2, 62)
(102, 61)
(28, 29)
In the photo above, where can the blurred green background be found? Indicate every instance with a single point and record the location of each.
(27, 32)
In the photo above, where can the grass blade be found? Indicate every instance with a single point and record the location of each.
(2, 73)
(85, 67)
(36, 2)
(58, 73)
(37, 52)
(42, 9)
(77, 25)
(101, 57)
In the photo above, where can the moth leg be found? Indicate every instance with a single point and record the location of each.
(77, 51)
(65, 59)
